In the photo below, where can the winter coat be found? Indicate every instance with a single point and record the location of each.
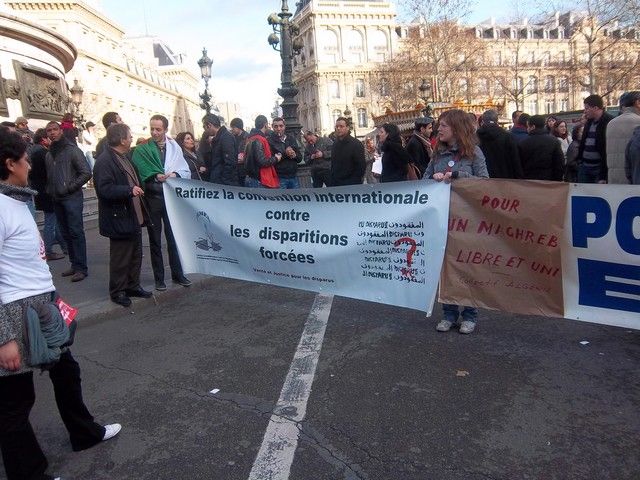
(323, 145)
(463, 167)
(619, 132)
(347, 162)
(395, 161)
(38, 178)
(632, 158)
(67, 169)
(418, 152)
(116, 215)
(571, 167)
(286, 167)
(519, 133)
(224, 158)
(500, 150)
(541, 156)
(601, 142)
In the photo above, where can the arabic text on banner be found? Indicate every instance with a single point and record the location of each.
(382, 243)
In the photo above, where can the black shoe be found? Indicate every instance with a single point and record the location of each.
(161, 286)
(138, 292)
(121, 299)
(182, 280)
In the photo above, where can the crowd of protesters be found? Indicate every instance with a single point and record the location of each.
(53, 164)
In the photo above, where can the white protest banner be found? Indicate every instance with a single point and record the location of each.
(601, 256)
(383, 243)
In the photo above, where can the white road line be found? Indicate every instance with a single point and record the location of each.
(281, 438)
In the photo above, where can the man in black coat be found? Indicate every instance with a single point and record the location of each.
(592, 153)
(419, 146)
(287, 146)
(499, 147)
(347, 156)
(224, 156)
(67, 172)
(540, 153)
(120, 215)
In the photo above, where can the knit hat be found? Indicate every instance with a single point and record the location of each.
(20, 120)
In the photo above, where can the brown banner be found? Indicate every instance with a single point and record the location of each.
(503, 247)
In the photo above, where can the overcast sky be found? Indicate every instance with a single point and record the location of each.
(246, 70)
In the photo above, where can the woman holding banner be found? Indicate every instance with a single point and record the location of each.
(457, 155)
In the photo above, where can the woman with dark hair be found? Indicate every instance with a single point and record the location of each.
(457, 155)
(561, 132)
(571, 166)
(187, 142)
(25, 281)
(550, 124)
(395, 159)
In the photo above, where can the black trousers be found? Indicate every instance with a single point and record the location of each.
(125, 261)
(320, 176)
(21, 452)
(158, 214)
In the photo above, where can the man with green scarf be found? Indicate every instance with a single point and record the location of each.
(156, 161)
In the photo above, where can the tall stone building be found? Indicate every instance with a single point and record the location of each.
(541, 68)
(135, 76)
(343, 42)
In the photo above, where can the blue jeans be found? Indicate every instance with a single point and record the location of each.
(588, 174)
(69, 215)
(289, 183)
(452, 311)
(51, 233)
(251, 182)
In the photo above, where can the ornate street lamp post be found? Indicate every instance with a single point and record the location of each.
(347, 114)
(286, 34)
(205, 64)
(425, 88)
(76, 100)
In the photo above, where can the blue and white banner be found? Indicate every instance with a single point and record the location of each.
(601, 256)
(383, 243)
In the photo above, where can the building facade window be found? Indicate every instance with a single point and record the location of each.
(549, 83)
(360, 87)
(335, 115)
(384, 87)
(563, 84)
(532, 84)
(564, 105)
(549, 106)
(483, 86)
(532, 107)
(334, 89)
(362, 117)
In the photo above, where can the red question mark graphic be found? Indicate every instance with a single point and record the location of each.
(412, 249)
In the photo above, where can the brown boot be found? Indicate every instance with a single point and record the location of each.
(54, 256)
(78, 277)
(68, 273)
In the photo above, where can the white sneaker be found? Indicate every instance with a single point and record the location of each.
(467, 327)
(111, 431)
(444, 325)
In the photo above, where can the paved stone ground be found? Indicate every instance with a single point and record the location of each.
(392, 399)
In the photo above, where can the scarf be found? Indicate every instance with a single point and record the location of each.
(23, 194)
(426, 143)
(132, 180)
(146, 159)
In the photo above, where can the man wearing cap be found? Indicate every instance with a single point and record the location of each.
(619, 132)
(240, 136)
(499, 147)
(419, 145)
(23, 129)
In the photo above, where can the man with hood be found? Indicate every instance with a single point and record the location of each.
(67, 172)
(499, 148)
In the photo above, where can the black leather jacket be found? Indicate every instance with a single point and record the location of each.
(67, 169)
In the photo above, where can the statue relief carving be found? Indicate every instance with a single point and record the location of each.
(12, 89)
(40, 92)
